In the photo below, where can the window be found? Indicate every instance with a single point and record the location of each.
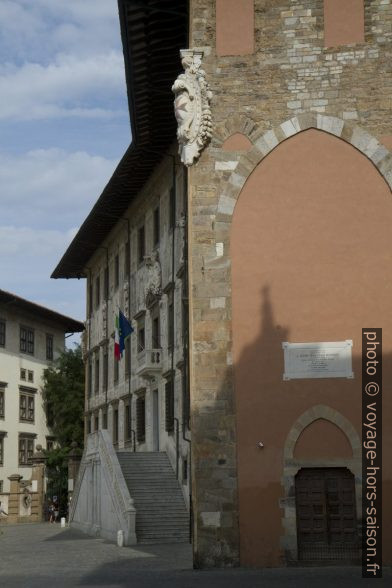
(1, 455)
(2, 394)
(26, 449)
(2, 333)
(30, 376)
(116, 271)
(184, 470)
(1, 486)
(156, 227)
(155, 327)
(97, 291)
(26, 407)
(105, 420)
(170, 322)
(106, 283)
(115, 426)
(127, 423)
(156, 335)
(141, 419)
(141, 244)
(105, 369)
(172, 209)
(141, 339)
(88, 425)
(127, 262)
(90, 299)
(23, 374)
(96, 375)
(49, 443)
(169, 406)
(96, 423)
(115, 371)
(185, 401)
(49, 346)
(27, 340)
(127, 355)
(90, 378)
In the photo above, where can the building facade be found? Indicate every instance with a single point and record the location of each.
(31, 338)
(142, 400)
(287, 227)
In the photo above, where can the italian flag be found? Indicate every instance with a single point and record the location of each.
(117, 353)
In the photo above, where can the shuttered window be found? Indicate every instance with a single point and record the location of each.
(169, 406)
(141, 419)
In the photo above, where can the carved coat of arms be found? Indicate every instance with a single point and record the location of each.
(192, 107)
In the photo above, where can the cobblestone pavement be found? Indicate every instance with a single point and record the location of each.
(46, 556)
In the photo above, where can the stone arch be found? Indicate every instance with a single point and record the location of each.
(263, 143)
(329, 414)
(232, 125)
(291, 467)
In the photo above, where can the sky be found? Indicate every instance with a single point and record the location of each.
(64, 126)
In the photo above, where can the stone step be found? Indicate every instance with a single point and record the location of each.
(161, 514)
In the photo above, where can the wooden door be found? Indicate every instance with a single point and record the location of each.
(326, 514)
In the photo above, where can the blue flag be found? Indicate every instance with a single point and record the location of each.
(125, 329)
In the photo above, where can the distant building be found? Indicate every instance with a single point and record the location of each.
(31, 338)
(282, 216)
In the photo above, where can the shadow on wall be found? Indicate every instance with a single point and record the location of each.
(267, 409)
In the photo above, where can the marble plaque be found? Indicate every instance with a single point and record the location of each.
(318, 360)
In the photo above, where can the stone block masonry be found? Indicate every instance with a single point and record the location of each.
(290, 83)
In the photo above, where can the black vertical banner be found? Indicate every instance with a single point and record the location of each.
(372, 453)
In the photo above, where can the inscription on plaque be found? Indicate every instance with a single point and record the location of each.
(318, 360)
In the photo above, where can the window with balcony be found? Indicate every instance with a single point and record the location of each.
(141, 337)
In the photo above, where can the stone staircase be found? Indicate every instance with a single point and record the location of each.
(161, 514)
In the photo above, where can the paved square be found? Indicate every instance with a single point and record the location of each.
(46, 556)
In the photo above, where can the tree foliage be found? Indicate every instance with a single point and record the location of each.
(63, 394)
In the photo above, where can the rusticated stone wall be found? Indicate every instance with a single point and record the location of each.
(289, 84)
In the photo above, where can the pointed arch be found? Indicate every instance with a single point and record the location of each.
(264, 142)
(329, 414)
